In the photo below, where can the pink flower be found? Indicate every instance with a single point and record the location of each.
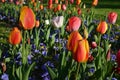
(93, 44)
(73, 24)
(112, 17)
(63, 7)
(71, 1)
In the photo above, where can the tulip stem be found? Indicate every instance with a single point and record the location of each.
(78, 68)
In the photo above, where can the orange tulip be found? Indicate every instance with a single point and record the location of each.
(95, 2)
(102, 27)
(78, 2)
(15, 36)
(72, 40)
(73, 24)
(50, 6)
(27, 18)
(81, 51)
(41, 7)
(59, 7)
(37, 23)
(56, 1)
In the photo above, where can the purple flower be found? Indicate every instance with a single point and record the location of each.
(114, 78)
(4, 77)
(92, 70)
(113, 57)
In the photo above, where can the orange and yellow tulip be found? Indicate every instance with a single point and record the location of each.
(81, 51)
(59, 7)
(95, 2)
(78, 2)
(41, 7)
(27, 18)
(15, 36)
(73, 24)
(37, 23)
(102, 27)
(72, 40)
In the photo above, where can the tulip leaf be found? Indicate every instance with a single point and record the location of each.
(53, 39)
(90, 28)
(19, 72)
(48, 34)
(52, 73)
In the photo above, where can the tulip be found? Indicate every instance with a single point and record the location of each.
(15, 36)
(37, 23)
(93, 45)
(58, 21)
(59, 7)
(41, 7)
(79, 11)
(118, 58)
(95, 2)
(47, 22)
(108, 55)
(3, 65)
(27, 18)
(71, 1)
(112, 17)
(63, 7)
(102, 27)
(73, 39)
(56, 1)
(73, 24)
(49, 2)
(78, 2)
(81, 51)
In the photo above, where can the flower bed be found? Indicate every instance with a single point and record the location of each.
(56, 41)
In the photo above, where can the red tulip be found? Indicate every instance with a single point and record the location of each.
(79, 11)
(93, 44)
(73, 24)
(81, 51)
(112, 17)
(102, 27)
(27, 17)
(118, 58)
(58, 7)
(50, 2)
(72, 40)
(15, 36)
(95, 2)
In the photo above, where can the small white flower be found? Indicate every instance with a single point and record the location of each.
(57, 21)
(47, 22)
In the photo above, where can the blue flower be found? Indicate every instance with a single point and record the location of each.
(114, 78)
(4, 77)
(113, 57)
(92, 70)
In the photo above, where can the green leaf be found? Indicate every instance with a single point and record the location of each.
(48, 34)
(53, 39)
(52, 73)
(7, 59)
(28, 71)
(19, 73)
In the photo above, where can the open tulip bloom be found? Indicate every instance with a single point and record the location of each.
(57, 22)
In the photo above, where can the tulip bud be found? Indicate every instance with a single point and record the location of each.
(47, 22)
(95, 2)
(3, 65)
(56, 1)
(41, 7)
(15, 36)
(93, 45)
(81, 51)
(79, 11)
(108, 55)
(102, 27)
(73, 24)
(112, 17)
(71, 1)
(27, 18)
